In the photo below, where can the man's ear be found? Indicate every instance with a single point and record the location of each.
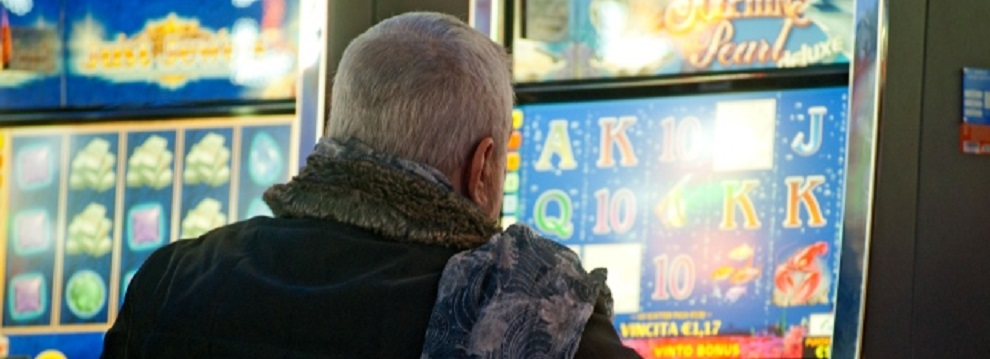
(477, 187)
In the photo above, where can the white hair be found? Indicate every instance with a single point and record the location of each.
(424, 87)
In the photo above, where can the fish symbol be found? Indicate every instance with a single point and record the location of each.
(741, 253)
(723, 273)
(745, 275)
(734, 293)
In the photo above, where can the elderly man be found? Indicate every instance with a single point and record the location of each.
(386, 245)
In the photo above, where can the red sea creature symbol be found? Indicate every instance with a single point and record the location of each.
(803, 267)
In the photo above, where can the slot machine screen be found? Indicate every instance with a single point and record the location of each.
(83, 206)
(718, 216)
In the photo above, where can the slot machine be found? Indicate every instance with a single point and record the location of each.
(125, 126)
(705, 154)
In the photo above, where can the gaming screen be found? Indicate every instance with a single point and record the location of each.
(119, 53)
(717, 216)
(559, 40)
(83, 206)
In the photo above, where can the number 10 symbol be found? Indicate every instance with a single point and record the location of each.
(674, 281)
(617, 214)
(681, 141)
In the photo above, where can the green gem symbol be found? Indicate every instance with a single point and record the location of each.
(86, 294)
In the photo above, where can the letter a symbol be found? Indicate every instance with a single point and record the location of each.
(797, 195)
(617, 135)
(559, 143)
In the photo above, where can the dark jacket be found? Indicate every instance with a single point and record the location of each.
(326, 286)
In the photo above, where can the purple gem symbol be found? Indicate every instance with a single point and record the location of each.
(27, 295)
(146, 225)
(146, 230)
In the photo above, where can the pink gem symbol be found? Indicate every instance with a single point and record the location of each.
(27, 295)
(146, 226)
(31, 231)
(35, 167)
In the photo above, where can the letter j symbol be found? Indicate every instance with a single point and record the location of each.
(814, 138)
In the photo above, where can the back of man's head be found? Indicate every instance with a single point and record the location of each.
(425, 87)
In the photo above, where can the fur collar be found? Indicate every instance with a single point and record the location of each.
(400, 200)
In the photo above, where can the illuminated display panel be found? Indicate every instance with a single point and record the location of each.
(719, 217)
(180, 51)
(83, 206)
(557, 40)
(109, 53)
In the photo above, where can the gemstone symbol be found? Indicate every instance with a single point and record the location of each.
(35, 167)
(32, 232)
(86, 294)
(27, 297)
(147, 227)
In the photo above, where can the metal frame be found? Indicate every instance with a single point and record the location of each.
(496, 28)
(311, 94)
(76, 116)
(607, 89)
(867, 79)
